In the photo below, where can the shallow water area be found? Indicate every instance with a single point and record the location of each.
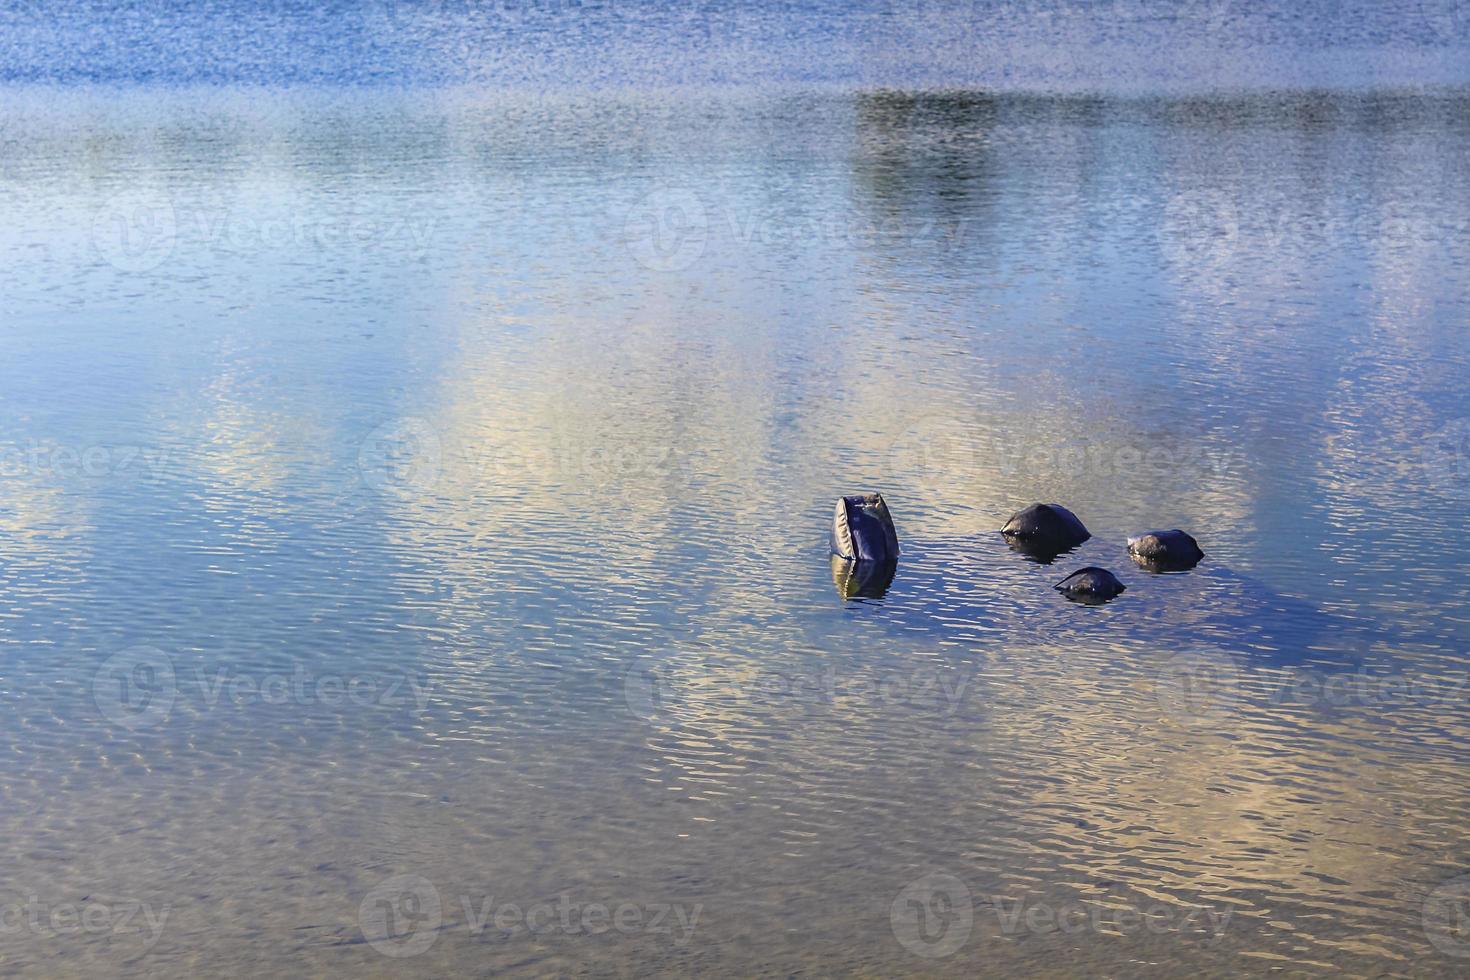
(429, 490)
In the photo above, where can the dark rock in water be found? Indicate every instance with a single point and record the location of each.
(862, 579)
(862, 529)
(1091, 585)
(1165, 551)
(1044, 530)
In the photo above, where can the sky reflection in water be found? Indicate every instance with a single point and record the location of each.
(506, 429)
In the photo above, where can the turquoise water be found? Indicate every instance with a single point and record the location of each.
(413, 513)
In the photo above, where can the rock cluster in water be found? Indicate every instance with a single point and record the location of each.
(865, 548)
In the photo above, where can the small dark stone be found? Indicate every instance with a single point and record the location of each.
(1091, 585)
(1044, 530)
(1165, 551)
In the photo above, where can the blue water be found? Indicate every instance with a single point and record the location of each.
(417, 454)
(1109, 45)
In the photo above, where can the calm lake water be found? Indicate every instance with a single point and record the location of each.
(413, 513)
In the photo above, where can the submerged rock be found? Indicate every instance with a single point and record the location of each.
(1091, 585)
(862, 529)
(1044, 530)
(1165, 551)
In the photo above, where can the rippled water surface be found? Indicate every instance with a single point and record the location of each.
(413, 506)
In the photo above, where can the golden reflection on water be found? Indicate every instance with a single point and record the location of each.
(587, 501)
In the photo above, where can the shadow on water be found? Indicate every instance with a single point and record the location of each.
(973, 587)
(1038, 554)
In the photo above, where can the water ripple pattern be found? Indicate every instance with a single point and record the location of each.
(413, 512)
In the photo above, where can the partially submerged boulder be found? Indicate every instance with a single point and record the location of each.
(1091, 585)
(1165, 551)
(862, 529)
(1044, 530)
